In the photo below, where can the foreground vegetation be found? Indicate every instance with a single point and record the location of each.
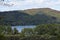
(40, 32)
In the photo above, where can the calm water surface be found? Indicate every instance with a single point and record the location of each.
(19, 28)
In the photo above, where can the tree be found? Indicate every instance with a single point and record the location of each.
(41, 29)
(46, 29)
(15, 31)
(9, 30)
(27, 31)
(5, 29)
(2, 37)
(2, 29)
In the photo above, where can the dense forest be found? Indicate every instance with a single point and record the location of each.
(40, 32)
(30, 17)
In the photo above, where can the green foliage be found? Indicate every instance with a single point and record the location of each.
(15, 31)
(9, 30)
(42, 32)
(27, 31)
(5, 29)
(2, 37)
(51, 29)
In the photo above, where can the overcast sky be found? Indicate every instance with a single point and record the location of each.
(27, 4)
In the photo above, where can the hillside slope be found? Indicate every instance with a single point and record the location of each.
(30, 17)
(47, 11)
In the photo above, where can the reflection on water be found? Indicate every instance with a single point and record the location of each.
(19, 28)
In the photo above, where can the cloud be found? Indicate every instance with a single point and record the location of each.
(25, 4)
(35, 2)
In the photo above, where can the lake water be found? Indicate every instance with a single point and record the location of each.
(19, 28)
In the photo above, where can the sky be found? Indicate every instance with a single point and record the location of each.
(29, 4)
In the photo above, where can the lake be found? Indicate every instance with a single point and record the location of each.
(19, 28)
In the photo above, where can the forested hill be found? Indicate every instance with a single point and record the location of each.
(30, 17)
